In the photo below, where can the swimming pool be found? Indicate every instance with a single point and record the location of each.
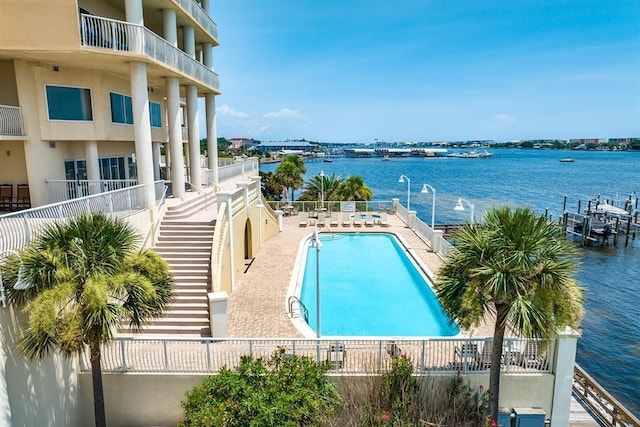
(369, 286)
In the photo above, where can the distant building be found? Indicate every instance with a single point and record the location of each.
(286, 146)
(241, 143)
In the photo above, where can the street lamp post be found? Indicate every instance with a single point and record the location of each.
(321, 189)
(401, 180)
(317, 244)
(425, 190)
(460, 206)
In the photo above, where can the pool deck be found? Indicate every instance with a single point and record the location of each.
(257, 304)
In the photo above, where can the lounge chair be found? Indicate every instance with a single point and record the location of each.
(383, 221)
(368, 220)
(530, 357)
(346, 219)
(357, 220)
(484, 359)
(392, 349)
(304, 219)
(335, 219)
(321, 216)
(466, 356)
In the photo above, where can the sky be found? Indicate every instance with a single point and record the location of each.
(427, 70)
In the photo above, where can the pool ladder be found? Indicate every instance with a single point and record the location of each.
(302, 310)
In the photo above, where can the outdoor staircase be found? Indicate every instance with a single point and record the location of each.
(184, 242)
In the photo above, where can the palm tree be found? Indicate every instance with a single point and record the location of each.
(519, 270)
(86, 279)
(322, 184)
(289, 173)
(354, 188)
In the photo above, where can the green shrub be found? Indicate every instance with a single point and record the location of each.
(286, 390)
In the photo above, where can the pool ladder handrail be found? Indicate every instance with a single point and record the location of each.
(303, 310)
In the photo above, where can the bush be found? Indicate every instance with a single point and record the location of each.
(286, 390)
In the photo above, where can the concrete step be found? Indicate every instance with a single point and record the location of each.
(182, 285)
(173, 225)
(190, 296)
(180, 321)
(172, 330)
(183, 244)
(196, 252)
(195, 314)
(190, 271)
(186, 235)
(203, 278)
(190, 306)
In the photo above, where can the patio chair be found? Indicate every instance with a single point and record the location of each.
(392, 349)
(346, 219)
(6, 196)
(484, 359)
(357, 220)
(23, 198)
(466, 356)
(368, 220)
(321, 216)
(336, 355)
(383, 221)
(304, 219)
(530, 358)
(335, 220)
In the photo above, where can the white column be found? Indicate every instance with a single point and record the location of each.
(170, 26)
(193, 128)
(207, 54)
(91, 155)
(133, 11)
(564, 360)
(142, 131)
(189, 40)
(212, 136)
(156, 161)
(175, 137)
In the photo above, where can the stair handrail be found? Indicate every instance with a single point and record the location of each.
(600, 402)
(217, 246)
(201, 190)
(303, 309)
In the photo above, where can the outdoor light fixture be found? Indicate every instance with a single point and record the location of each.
(425, 190)
(460, 206)
(401, 180)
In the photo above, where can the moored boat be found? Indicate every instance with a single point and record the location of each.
(567, 160)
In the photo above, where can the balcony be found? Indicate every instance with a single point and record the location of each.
(119, 36)
(200, 16)
(11, 121)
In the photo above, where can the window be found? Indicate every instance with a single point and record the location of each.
(69, 103)
(154, 112)
(121, 109)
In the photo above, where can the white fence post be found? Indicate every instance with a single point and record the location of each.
(563, 363)
(436, 241)
(218, 321)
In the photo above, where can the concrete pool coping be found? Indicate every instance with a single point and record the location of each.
(257, 306)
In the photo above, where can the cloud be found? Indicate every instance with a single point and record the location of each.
(284, 113)
(504, 118)
(229, 111)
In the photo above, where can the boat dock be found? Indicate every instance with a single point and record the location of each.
(603, 220)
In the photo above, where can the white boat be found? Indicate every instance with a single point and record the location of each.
(385, 158)
(567, 160)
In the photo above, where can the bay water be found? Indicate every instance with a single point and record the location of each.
(609, 349)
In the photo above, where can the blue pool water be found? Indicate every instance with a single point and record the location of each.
(369, 287)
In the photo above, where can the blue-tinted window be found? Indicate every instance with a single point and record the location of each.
(154, 112)
(121, 109)
(69, 103)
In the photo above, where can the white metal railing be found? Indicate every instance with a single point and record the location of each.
(349, 356)
(225, 161)
(11, 121)
(200, 16)
(18, 229)
(360, 206)
(104, 33)
(160, 188)
(61, 189)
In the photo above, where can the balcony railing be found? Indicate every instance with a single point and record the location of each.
(201, 17)
(11, 121)
(104, 33)
(348, 356)
(61, 190)
(19, 228)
